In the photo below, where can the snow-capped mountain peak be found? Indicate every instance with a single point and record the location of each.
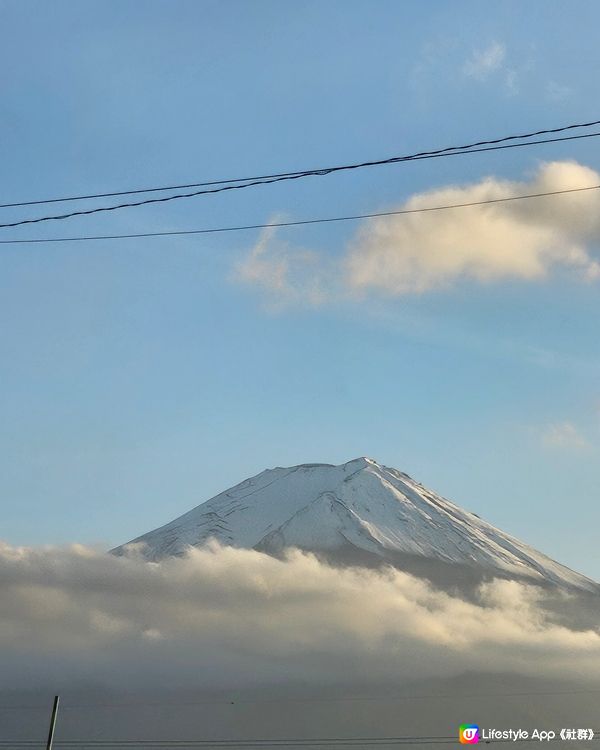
(362, 507)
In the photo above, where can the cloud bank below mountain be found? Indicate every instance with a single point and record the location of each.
(224, 616)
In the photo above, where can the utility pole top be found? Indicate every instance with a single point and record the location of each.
(52, 722)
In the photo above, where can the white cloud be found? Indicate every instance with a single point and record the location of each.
(286, 274)
(416, 253)
(512, 240)
(563, 435)
(485, 61)
(238, 616)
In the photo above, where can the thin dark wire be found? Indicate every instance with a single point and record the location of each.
(208, 743)
(275, 743)
(294, 176)
(329, 741)
(319, 699)
(307, 172)
(332, 699)
(310, 742)
(369, 742)
(303, 222)
(176, 743)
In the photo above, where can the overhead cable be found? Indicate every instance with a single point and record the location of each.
(302, 222)
(291, 176)
(318, 171)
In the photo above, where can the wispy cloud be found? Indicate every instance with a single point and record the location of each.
(564, 435)
(485, 61)
(286, 274)
(491, 63)
(422, 252)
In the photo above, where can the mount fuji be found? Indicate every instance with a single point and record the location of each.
(359, 512)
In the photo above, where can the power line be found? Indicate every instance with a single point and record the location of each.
(233, 701)
(169, 743)
(360, 742)
(343, 699)
(291, 176)
(323, 742)
(308, 742)
(307, 172)
(303, 222)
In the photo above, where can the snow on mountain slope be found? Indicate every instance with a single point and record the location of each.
(360, 505)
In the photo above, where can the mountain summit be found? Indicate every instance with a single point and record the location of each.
(361, 512)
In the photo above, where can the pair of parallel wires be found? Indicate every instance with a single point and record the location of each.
(218, 186)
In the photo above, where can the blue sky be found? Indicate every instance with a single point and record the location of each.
(140, 377)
